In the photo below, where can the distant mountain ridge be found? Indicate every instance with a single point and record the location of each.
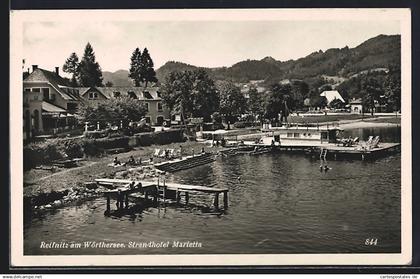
(379, 52)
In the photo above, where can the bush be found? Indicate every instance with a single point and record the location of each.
(242, 124)
(90, 148)
(42, 153)
(96, 134)
(73, 149)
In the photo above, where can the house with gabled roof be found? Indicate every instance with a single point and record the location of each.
(157, 112)
(331, 95)
(49, 102)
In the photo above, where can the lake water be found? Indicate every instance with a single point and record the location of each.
(281, 204)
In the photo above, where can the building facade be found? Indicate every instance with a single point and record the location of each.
(356, 106)
(156, 113)
(49, 103)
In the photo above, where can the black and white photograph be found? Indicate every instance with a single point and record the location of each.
(211, 137)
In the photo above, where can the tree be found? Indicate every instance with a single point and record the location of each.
(232, 102)
(191, 94)
(277, 102)
(204, 95)
(371, 91)
(109, 84)
(89, 70)
(299, 91)
(319, 101)
(336, 104)
(71, 66)
(136, 68)
(123, 108)
(176, 93)
(392, 88)
(255, 103)
(147, 68)
(216, 117)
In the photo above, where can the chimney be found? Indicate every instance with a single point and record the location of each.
(34, 67)
(57, 71)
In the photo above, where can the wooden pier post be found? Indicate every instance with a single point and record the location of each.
(178, 196)
(216, 200)
(187, 197)
(126, 200)
(108, 203)
(225, 199)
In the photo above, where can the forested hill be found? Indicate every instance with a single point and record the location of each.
(378, 52)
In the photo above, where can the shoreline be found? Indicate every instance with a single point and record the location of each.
(70, 185)
(45, 190)
(366, 124)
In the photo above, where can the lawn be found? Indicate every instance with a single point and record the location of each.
(325, 118)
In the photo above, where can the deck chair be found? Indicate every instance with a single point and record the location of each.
(354, 141)
(162, 153)
(374, 142)
(157, 152)
(171, 153)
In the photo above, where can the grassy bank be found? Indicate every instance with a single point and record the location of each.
(36, 180)
(324, 118)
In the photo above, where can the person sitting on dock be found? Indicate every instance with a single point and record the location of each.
(116, 161)
(131, 160)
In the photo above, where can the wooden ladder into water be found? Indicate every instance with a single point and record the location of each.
(161, 191)
(323, 154)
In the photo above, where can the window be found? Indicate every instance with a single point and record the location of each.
(289, 135)
(296, 135)
(132, 95)
(46, 93)
(71, 106)
(159, 107)
(93, 95)
(147, 106)
(36, 89)
(27, 89)
(35, 97)
(159, 120)
(147, 119)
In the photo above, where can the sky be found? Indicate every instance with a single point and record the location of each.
(200, 43)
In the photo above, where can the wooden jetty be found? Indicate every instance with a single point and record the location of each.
(122, 189)
(351, 152)
(186, 162)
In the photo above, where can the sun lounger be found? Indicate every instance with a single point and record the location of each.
(162, 154)
(374, 142)
(157, 152)
(171, 153)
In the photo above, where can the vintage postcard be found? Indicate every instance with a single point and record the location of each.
(210, 137)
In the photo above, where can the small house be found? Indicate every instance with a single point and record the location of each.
(356, 106)
(331, 95)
